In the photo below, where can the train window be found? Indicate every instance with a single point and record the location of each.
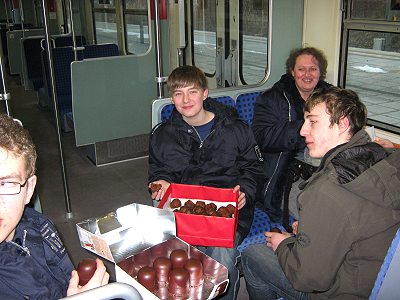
(105, 21)
(136, 26)
(229, 40)
(254, 41)
(204, 35)
(383, 10)
(371, 60)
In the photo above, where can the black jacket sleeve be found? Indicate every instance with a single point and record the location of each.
(271, 126)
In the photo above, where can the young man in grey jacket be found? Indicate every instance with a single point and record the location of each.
(349, 211)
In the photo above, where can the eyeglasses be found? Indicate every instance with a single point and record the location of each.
(11, 188)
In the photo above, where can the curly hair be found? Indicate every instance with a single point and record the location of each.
(340, 103)
(184, 76)
(17, 141)
(316, 53)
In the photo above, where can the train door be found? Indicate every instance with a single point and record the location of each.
(228, 40)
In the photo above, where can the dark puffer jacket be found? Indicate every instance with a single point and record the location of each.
(278, 117)
(349, 214)
(227, 156)
(43, 269)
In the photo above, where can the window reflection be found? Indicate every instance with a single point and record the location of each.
(137, 26)
(254, 41)
(204, 34)
(373, 64)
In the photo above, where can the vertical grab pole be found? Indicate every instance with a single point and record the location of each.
(7, 16)
(71, 17)
(158, 45)
(57, 116)
(6, 96)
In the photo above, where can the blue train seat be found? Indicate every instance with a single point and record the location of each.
(245, 106)
(63, 57)
(32, 48)
(166, 112)
(387, 282)
(66, 40)
(103, 50)
(167, 109)
(261, 224)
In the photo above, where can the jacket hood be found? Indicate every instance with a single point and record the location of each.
(366, 169)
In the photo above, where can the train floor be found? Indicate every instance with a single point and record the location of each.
(92, 191)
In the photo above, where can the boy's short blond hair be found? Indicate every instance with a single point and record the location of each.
(185, 76)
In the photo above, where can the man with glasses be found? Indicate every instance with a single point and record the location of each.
(34, 263)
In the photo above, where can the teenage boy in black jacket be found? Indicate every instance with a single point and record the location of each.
(204, 143)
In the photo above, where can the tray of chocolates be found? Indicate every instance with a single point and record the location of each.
(141, 241)
(205, 216)
(176, 270)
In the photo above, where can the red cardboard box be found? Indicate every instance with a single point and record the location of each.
(200, 230)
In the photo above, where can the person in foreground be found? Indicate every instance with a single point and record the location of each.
(278, 117)
(204, 143)
(34, 263)
(349, 211)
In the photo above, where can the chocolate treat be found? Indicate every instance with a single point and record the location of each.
(155, 187)
(175, 203)
(201, 203)
(224, 212)
(86, 269)
(178, 283)
(185, 210)
(275, 229)
(147, 277)
(211, 207)
(199, 210)
(162, 292)
(231, 208)
(189, 204)
(214, 213)
(178, 258)
(162, 266)
(195, 269)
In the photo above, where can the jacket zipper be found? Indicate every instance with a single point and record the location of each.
(280, 154)
(198, 135)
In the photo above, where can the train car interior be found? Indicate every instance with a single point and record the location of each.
(88, 80)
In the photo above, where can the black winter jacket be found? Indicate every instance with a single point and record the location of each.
(227, 156)
(43, 269)
(278, 117)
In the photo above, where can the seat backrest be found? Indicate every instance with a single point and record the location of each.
(245, 106)
(166, 112)
(387, 283)
(66, 40)
(102, 50)
(225, 100)
(32, 58)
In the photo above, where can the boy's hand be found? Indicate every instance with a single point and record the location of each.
(273, 239)
(295, 225)
(241, 198)
(158, 194)
(99, 278)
